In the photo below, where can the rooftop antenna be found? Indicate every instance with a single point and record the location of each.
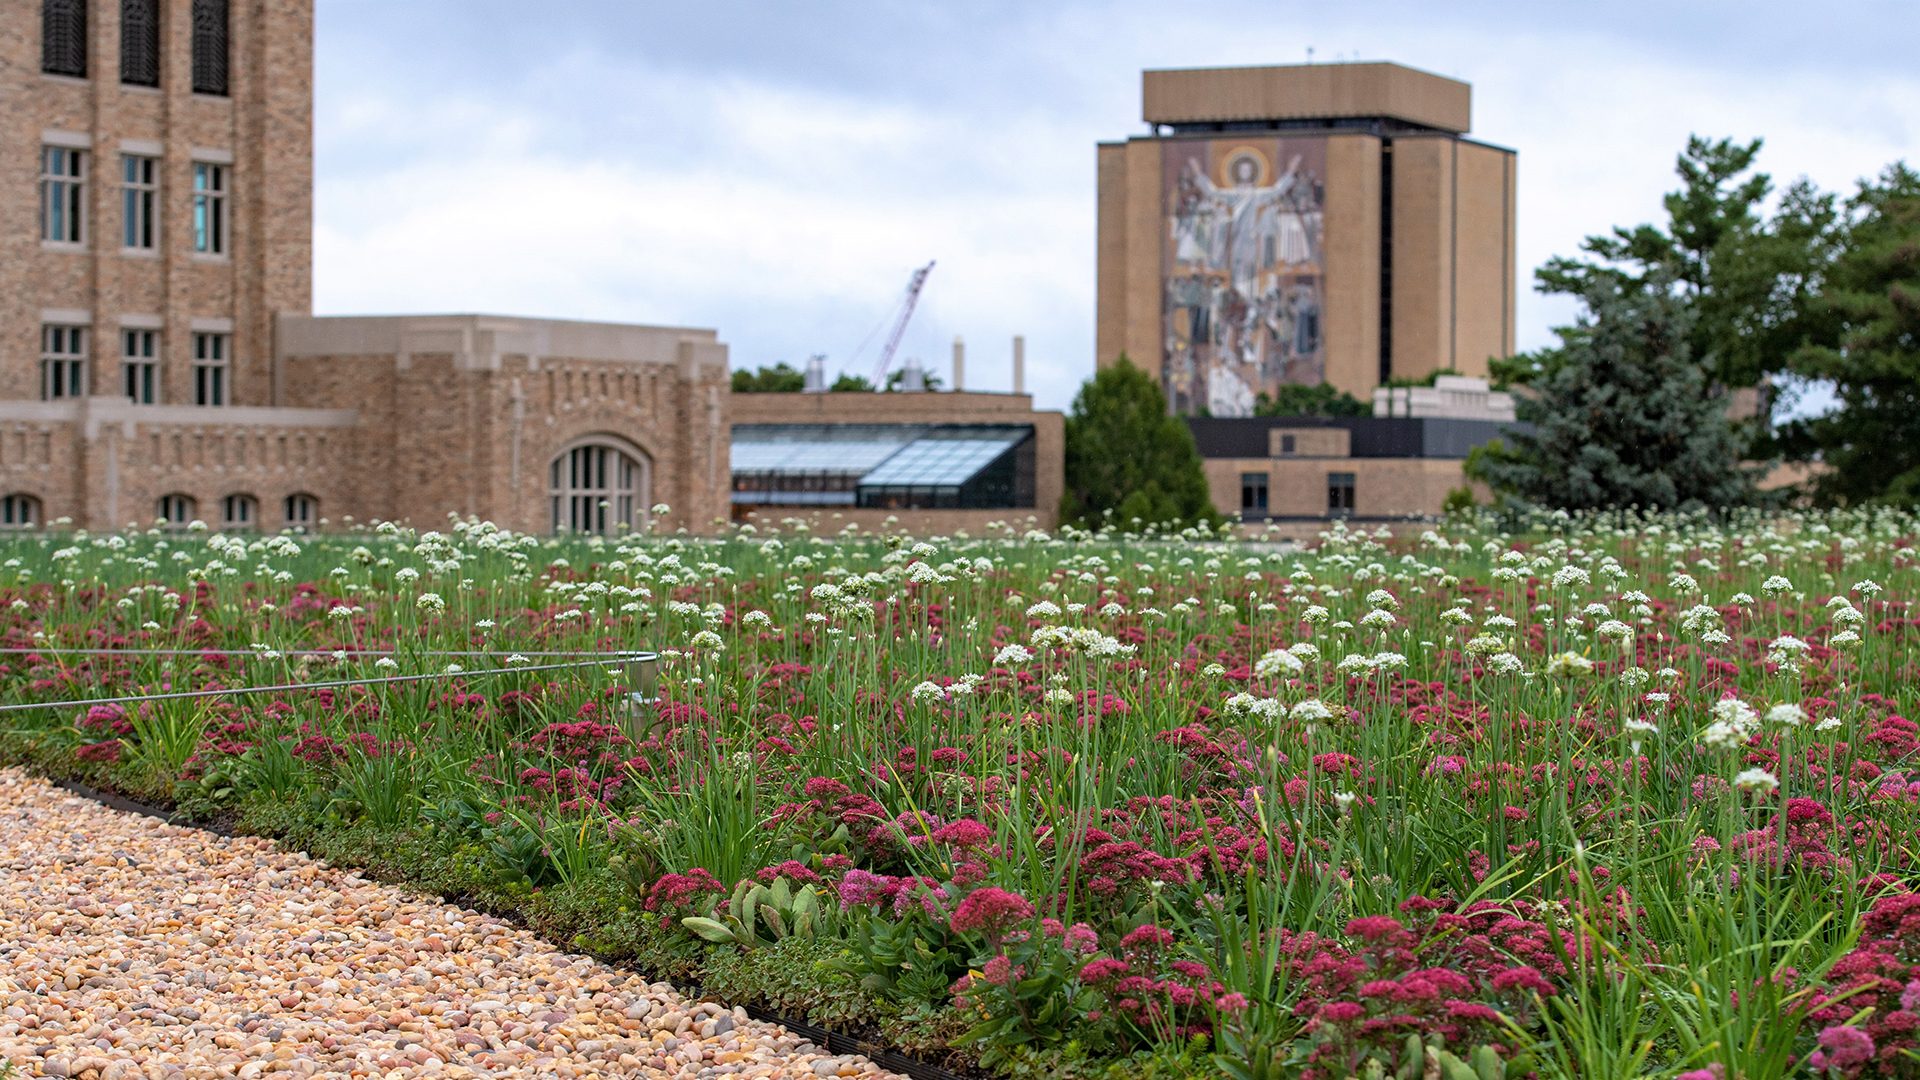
(1309, 54)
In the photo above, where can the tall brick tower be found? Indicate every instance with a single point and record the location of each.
(156, 210)
(1322, 223)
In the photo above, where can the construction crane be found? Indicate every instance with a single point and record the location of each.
(914, 285)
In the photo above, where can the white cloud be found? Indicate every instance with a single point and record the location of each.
(785, 205)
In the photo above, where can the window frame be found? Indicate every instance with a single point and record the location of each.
(1341, 488)
(212, 225)
(239, 512)
(72, 36)
(1251, 483)
(139, 202)
(20, 511)
(140, 364)
(137, 16)
(63, 197)
(307, 501)
(212, 48)
(187, 505)
(63, 361)
(212, 374)
(603, 481)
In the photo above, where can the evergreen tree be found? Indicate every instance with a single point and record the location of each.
(1622, 414)
(1746, 279)
(848, 384)
(1128, 458)
(1867, 347)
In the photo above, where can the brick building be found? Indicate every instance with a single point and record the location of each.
(158, 358)
(1304, 224)
(927, 462)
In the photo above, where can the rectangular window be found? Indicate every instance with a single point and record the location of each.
(63, 361)
(1286, 444)
(209, 369)
(63, 186)
(140, 42)
(210, 47)
(139, 196)
(1253, 493)
(140, 366)
(63, 37)
(209, 208)
(1340, 494)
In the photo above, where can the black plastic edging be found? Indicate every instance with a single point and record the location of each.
(833, 1042)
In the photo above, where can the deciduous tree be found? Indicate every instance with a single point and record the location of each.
(1128, 459)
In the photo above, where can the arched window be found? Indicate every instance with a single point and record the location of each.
(210, 47)
(140, 42)
(175, 510)
(597, 488)
(19, 512)
(239, 512)
(63, 37)
(303, 512)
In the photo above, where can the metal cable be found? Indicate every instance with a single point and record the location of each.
(78, 650)
(328, 684)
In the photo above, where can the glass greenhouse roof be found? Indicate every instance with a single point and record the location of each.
(944, 459)
(842, 449)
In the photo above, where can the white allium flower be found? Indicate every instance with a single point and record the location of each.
(1787, 714)
(1311, 710)
(1776, 586)
(1569, 665)
(1278, 663)
(1011, 655)
(1723, 736)
(1570, 576)
(1759, 780)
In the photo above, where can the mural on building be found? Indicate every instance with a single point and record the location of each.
(1244, 276)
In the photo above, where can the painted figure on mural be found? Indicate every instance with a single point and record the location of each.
(1243, 291)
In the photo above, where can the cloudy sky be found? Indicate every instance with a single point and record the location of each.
(776, 170)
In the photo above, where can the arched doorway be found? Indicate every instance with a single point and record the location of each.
(600, 486)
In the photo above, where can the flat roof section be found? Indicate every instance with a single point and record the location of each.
(1306, 92)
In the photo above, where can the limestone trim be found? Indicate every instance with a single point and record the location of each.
(115, 409)
(71, 140)
(480, 342)
(66, 316)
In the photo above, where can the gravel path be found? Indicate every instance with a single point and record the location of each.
(130, 948)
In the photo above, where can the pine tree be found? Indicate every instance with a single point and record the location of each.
(1868, 350)
(1127, 459)
(1744, 277)
(1622, 414)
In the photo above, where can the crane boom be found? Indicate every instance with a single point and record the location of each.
(914, 285)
